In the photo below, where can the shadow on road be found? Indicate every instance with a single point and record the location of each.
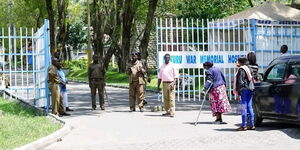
(292, 130)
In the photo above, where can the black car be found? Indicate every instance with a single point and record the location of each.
(278, 95)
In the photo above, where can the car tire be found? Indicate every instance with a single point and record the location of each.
(257, 116)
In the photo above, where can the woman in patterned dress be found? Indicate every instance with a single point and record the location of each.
(216, 86)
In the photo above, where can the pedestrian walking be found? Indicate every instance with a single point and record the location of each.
(54, 81)
(63, 87)
(136, 71)
(96, 78)
(244, 91)
(218, 98)
(146, 75)
(254, 67)
(168, 74)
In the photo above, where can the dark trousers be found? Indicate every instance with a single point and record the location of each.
(94, 87)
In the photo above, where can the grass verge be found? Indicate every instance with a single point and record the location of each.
(112, 77)
(20, 125)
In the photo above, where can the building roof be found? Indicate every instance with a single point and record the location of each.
(269, 11)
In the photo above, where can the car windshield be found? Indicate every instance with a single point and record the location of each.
(277, 72)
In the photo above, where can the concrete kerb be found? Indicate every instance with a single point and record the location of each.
(50, 139)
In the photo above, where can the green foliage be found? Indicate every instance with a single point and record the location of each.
(22, 13)
(210, 8)
(80, 64)
(77, 37)
(19, 125)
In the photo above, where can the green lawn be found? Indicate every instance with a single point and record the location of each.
(20, 125)
(112, 77)
(78, 71)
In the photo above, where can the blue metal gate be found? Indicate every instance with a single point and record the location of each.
(24, 56)
(191, 42)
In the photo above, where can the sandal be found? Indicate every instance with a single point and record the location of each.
(251, 128)
(241, 129)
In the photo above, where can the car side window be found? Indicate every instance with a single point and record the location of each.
(295, 70)
(277, 72)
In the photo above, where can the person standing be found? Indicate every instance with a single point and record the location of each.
(283, 50)
(168, 74)
(136, 71)
(63, 87)
(146, 75)
(54, 81)
(95, 76)
(244, 93)
(254, 67)
(216, 86)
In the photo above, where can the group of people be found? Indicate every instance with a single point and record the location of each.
(57, 86)
(243, 87)
(245, 76)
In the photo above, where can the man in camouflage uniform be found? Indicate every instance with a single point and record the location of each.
(136, 72)
(96, 78)
(53, 80)
(146, 74)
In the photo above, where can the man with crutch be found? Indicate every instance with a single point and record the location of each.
(215, 85)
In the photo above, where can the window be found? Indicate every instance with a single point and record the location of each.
(277, 72)
(295, 70)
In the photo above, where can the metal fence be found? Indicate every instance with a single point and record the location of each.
(191, 42)
(24, 56)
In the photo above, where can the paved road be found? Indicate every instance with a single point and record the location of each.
(118, 129)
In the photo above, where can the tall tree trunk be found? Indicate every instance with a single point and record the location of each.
(98, 24)
(52, 25)
(128, 16)
(149, 22)
(296, 4)
(250, 3)
(61, 22)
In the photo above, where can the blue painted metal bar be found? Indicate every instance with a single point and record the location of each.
(275, 51)
(278, 35)
(20, 71)
(200, 28)
(20, 37)
(22, 54)
(210, 43)
(253, 34)
(47, 62)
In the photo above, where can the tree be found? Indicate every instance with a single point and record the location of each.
(49, 4)
(296, 4)
(62, 24)
(149, 23)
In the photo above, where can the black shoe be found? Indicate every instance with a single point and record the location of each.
(142, 109)
(102, 107)
(69, 109)
(65, 114)
(132, 109)
(94, 107)
(166, 114)
(145, 102)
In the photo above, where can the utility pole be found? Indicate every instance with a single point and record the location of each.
(89, 50)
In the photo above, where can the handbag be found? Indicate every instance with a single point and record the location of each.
(240, 108)
(251, 85)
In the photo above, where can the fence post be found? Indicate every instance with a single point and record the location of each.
(47, 61)
(253, 34)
